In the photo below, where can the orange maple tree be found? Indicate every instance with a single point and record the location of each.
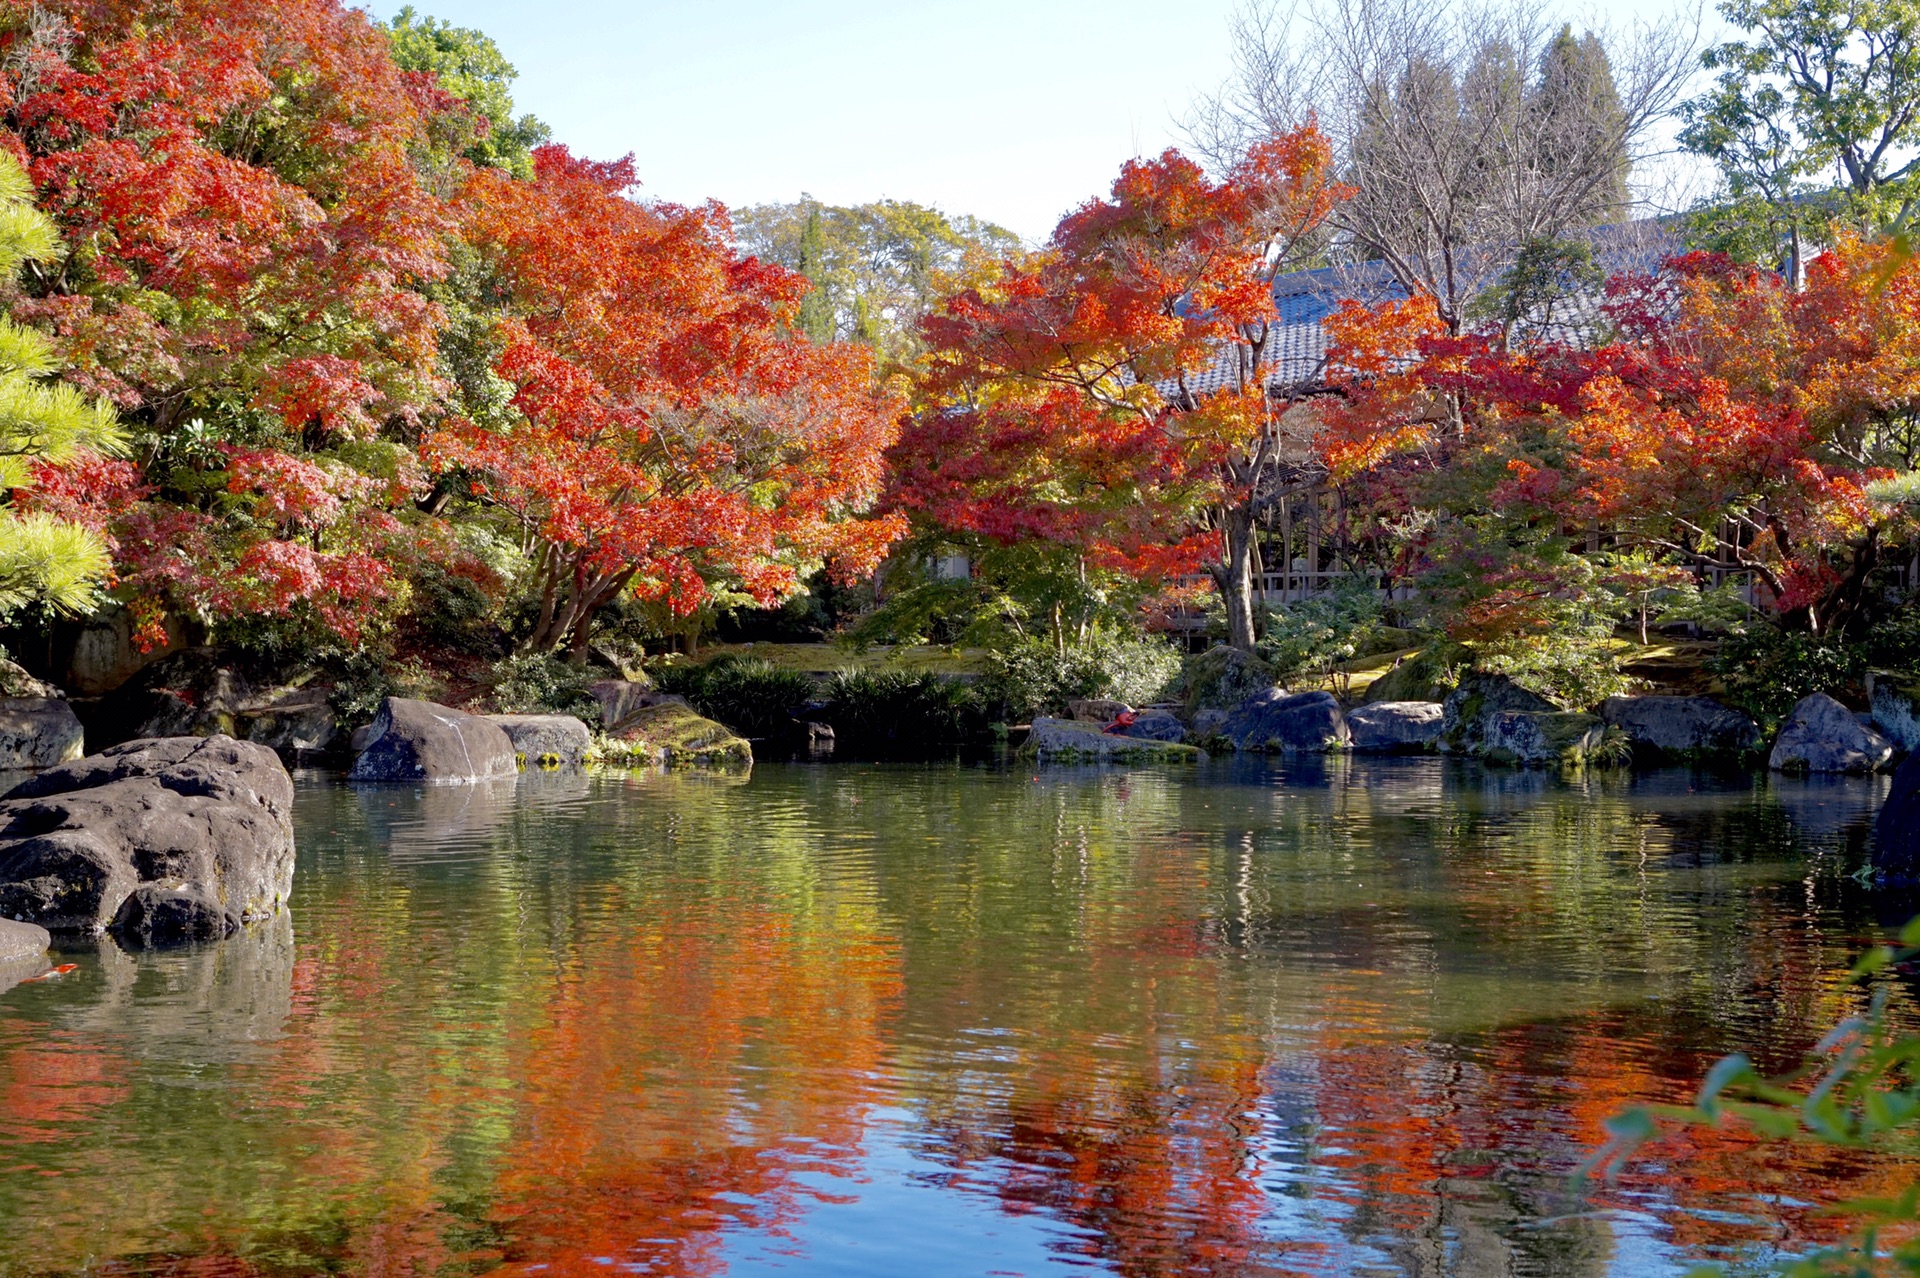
(1114, 393)
(674, 433)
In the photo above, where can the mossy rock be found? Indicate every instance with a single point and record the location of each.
(673, 734)
(1221, 678)
(1420, 677)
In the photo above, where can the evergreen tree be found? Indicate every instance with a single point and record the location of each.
(1583, 127)
(43, 559)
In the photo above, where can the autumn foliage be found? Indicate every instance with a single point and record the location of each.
(288, 277)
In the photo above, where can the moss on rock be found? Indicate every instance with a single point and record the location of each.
(671, 733)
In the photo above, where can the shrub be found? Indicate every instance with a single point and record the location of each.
(1766, 670)
(1036, 678)
(542, 683)
(751, 696)
(1306, 640)
(1576, 667)
(892, 710)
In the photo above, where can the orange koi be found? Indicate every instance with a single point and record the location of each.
(51, 973)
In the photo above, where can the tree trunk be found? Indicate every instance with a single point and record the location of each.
(1234, 576)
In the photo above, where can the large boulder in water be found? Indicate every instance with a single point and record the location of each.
(1470, 709)
(22, 942)
(421, 741)
(546, 740)
(1540, 738)
(1075, 741)
(1897, 830)
(110, 841)
(1895, 703)
(669, 731)
(1821, 735)
(37, 732)
(1682, 727)
(1276, 722)
(1156, 725)
(1395, 727)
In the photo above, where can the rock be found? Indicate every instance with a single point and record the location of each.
(1896, 709)
(16, 682)
(1221, 678)
(1896, 832)
(620, 698)
(211, 814)
(1821, 735)
(814, 737)
(672, 733)
(156, 914)
(198, 693)
(1072, 741)
(1278, 722)
(1470, 708)
(1396, 727)
(1156, 725)
(292, 722)
(1420, 677)
(422, 741)
(1538, 738)
(546, 740)
(1682, 727)
(1100, 710)
(22, 941)
(37, 732)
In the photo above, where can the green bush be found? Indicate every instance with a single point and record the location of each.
(753, 697)
(1765, 670)
(1576, 667)
(894, 711)
(1036, 678)
(542, 683)
(1306, 640)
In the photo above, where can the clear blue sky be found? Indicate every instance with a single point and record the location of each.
(1013, 110)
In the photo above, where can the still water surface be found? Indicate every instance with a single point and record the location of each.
(1352, 1019)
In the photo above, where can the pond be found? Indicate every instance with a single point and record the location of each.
(1351, 1018)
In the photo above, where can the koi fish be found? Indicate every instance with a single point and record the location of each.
(51, 973)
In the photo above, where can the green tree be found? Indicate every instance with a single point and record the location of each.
(1821, 98)
(43, 559)
(470, 66)
(876, 268)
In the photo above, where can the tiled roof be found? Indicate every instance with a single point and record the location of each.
(1297, 356)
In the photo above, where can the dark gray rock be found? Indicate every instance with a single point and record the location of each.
(157, 914)
(1071, 741)
(1278, 722)
(1896, 709)
(1469, 710)
(1896, 832)
(1540, 738)
(1156, 725)
(1682, 727)
(37, 732)
(1396, 727)
(1821, 735)
(546, 740)
(212, 814)
(20, 941)
(422, 741)
(292, 722)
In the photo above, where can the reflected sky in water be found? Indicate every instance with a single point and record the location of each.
(1342, 1018)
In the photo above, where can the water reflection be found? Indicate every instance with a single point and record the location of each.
(1352, 1017)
